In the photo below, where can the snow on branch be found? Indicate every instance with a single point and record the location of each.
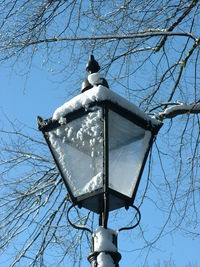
(179, 109)
(143, 34)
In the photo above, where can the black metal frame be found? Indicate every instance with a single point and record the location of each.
(50, 124)
(77, 226)
(101, 198)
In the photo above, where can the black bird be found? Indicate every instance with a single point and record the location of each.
(85, 86)
(92, 65)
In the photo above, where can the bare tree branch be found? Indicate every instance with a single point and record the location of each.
(179, 109)
(145, 34)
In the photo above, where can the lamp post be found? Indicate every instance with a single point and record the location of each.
(100, 143)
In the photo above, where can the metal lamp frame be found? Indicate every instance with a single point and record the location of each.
(100, 201)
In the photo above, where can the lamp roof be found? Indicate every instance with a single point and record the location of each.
(98, 94)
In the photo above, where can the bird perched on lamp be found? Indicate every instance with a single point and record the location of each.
(94, 77)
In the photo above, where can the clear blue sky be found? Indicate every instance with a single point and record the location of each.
(40, 97)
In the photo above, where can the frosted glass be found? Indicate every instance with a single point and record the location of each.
(78, 149)
(127, 146)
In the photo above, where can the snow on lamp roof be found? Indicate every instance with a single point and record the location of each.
(98, 94)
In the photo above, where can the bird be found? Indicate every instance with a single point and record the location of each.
(85, 86)
(94, 78)
(92, 65)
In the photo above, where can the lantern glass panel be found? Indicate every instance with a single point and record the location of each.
(128, 144)
(77, 147)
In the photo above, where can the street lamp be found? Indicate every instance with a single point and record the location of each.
(100, 143)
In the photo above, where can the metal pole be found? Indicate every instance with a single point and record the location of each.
(105, 213)
(104, 249)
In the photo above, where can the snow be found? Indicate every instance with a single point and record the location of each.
(179, 108)
(80, 141)
(98, 93)
(95, 183)
(105, 260)
(94, 78)
(103, 242)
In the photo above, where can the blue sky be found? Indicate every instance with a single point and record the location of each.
(41, 96)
